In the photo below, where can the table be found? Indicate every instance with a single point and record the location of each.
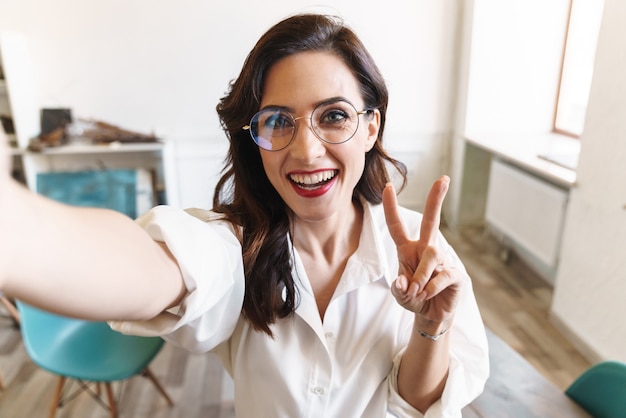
(516, 389)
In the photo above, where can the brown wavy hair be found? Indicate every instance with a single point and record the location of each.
(244, 193)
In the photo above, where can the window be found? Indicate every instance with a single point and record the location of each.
(577, 70)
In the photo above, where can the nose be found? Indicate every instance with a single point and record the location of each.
(306, 146)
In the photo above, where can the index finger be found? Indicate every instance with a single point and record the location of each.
(392, 217)
(432, 211)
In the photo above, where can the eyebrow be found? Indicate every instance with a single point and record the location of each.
(327, 101)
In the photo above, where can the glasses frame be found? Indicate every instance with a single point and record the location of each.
(310, 117)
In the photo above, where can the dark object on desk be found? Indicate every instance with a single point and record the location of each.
(515, 389)
(53, 119)
(53, 129)
(55, 138)
(601, 390)
(97, 132)
(104, 133)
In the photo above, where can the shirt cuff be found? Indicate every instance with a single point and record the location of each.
(209, 256)
(448, 406)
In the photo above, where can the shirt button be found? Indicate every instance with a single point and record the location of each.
(318, 390)
(329, 335)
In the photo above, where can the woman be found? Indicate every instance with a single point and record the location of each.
(291, 279)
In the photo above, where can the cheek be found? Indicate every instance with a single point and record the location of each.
(359, 156)
(271, 167)
(353, 158)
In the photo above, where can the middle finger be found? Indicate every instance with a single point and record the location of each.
(429, 262)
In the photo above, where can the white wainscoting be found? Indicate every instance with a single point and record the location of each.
(195, 167)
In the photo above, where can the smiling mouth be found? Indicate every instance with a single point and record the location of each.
(313, 181)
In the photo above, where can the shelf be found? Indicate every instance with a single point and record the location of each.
(85, 148)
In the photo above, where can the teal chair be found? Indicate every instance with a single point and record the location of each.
(86, 351)
(601, 390)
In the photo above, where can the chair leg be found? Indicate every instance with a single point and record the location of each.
(158, 386)
(111, 398)
(57, 397)
(10, 307)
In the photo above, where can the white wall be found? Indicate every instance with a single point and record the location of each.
(516, 53)
(509, 65)
(162, 66)
(591, 281)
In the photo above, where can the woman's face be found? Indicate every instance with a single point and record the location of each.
(316, 179)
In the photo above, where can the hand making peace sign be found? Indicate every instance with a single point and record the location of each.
(427, 283)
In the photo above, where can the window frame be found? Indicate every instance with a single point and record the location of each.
(556, 126)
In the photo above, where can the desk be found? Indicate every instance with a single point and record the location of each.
(515, 389)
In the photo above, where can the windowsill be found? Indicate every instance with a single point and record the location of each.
(548, 155)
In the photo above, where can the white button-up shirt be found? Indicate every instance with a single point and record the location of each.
(343, 366)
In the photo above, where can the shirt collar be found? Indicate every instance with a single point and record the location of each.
(369, 263)
(373, 250)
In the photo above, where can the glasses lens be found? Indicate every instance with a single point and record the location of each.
(335, 122)
(272, 129)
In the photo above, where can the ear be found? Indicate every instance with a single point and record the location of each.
(373, 126)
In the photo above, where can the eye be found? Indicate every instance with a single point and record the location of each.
(336, 116)
(333, 117)
(277, 120)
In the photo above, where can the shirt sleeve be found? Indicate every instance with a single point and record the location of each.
(469, 363)
(209, 256)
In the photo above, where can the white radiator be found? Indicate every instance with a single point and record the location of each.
(528, 210)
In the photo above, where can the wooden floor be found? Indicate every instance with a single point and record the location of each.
(514, 303)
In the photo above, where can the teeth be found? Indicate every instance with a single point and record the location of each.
(315, 178)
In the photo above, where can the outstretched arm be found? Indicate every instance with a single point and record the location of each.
(90, 263)
(428, 286)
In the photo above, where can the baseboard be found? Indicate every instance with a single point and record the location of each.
(589, 353)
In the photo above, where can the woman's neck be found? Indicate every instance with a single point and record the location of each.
(324, 248)
(332, 239)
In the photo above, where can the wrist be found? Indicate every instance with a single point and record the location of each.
(431, 329)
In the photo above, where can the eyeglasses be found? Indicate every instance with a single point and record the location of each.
(335, 122)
